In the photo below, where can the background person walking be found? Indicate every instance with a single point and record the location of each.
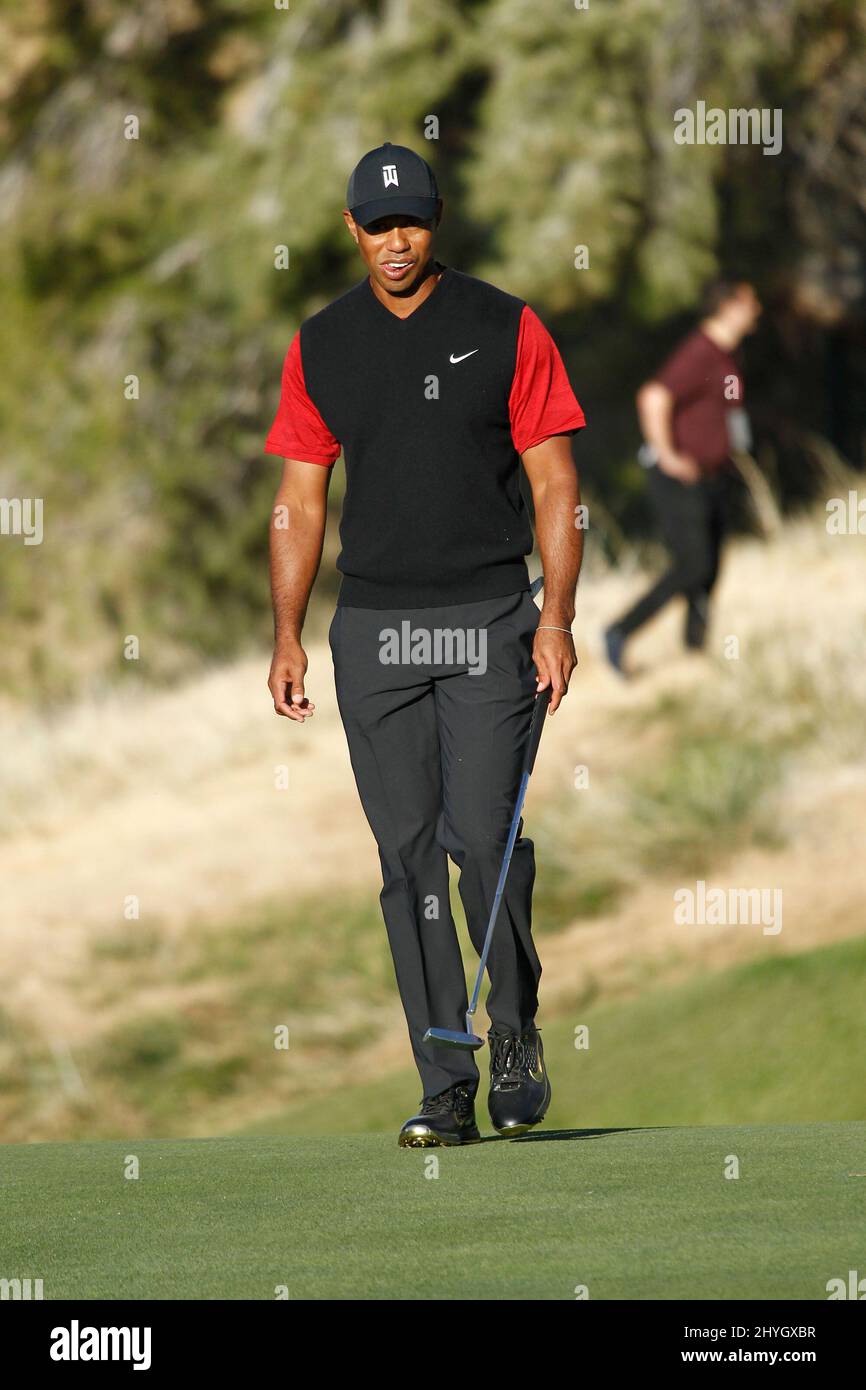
(692, 418)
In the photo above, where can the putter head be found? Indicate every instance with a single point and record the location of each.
(449, 1037)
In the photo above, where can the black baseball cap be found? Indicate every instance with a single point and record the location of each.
(391, 179)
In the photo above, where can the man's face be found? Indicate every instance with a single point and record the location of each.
(745, 309)
(395, 249)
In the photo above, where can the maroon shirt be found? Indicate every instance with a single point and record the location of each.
(705, 382)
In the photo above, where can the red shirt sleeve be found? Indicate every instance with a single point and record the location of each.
(541, 401)
(298, 431)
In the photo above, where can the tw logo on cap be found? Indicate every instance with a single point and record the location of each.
(389, 172)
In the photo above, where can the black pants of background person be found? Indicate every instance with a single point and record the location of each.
(437, 755)
(693, 519)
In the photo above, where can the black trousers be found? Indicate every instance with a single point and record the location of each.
(693, 520)
(436, 745)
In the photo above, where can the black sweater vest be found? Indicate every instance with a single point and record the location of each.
(433, 512)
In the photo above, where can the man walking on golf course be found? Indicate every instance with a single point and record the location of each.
(692, 418)
(435, 385)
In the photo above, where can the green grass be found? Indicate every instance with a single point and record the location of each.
(772, 1041)
(623, 1190)
(629, 1213)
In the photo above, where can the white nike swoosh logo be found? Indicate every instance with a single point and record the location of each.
(465, 355)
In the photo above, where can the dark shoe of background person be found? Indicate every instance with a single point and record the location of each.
(697, 615)
(614, 645)
(519, 1084)
(447, 1120)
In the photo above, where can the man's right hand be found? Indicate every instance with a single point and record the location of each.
(680, 466)
(286, 682)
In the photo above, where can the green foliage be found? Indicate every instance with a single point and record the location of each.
(155, 257)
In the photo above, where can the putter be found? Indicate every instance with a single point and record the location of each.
(450, 1037)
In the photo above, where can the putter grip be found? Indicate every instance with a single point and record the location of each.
(539, 710)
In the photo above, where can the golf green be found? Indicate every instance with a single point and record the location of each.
(623, 1213)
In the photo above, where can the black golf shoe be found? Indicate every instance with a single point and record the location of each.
(447, 1119)
(519, 1084)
